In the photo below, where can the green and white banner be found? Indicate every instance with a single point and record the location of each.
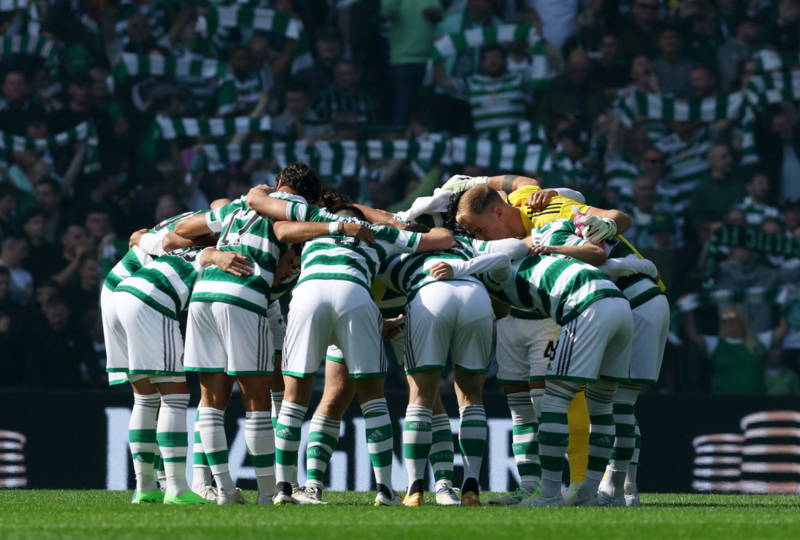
(639, 104)
(266, 20)
(778, 295)
(34, 45)
(172, 128)
(455, 43)
(770, 88)
(133, 65)
(768, 60)
(344, 157)
(10, 143)
(754, 239)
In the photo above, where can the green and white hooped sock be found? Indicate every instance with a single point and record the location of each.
(201, 473)
(602, 430)
(554, 434)
(472, 441)
(277, 400)
(625, 441)
(523, 430)
(442, 449)
(323, 436)
(212, 432)
(287, 440)
(142, 439)
(260, 440)
(380, 440)
(633, 469)
(173, 441)
(417, 440)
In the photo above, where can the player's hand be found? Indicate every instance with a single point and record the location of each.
(358, 231)
(262, 188)
(233, 263)
(392, 327)
(596, 229)
(441, 270)
(538, 249)
(135, 237)
(461, 182)
(539, 200)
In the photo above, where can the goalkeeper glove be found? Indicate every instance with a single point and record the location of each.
(596, 229)
(461, 182)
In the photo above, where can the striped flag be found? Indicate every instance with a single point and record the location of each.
(497, 155)
(267, 20)
(172, 128)
(653, 106)
(133, 65)
(35, 45)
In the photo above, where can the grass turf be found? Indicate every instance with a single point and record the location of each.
(109, 514)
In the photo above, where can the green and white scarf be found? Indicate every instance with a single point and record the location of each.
(768, 60)
(172, 128)
(754, 239)
(770, 88)
(133, 65)
(777, 295)
(656, 107)
(471, 151)
(10, 143)
(266, 20)
(34, 45)
(457, 42)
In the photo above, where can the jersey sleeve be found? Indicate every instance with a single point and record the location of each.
(215, 219)
(397, 241)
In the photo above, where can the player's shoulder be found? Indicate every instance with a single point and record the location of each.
(520, 196)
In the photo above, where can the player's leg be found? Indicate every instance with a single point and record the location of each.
(308, 332)
(471, 347)
(612, 486)
(423, 387)
(511, 354)
(631, 488)
(142, 439)
(441, 455)
(276, 390)
(323, 434)
(259, 434)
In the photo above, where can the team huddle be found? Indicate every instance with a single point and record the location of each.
(577, 318)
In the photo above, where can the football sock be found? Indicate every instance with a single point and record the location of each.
(287, 440)
(536, 395)
(277, 400)
(602, 430)
(173, 441)
(142, 439)
(625, 441)
(524, 446)
(380, 440)
(442, 449)
(578, 446)
(323, 436)
(212, 433)
(554, 434)
(201, 473)
(472, 441)
(417, 439)
(259, 437)
(633, 468)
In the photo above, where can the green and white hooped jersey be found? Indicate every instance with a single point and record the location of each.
(637, 288)
(348, 259)
(166, 283)
(409, 272)
(562, 287)
(244, 231)
(135, 258)
(560, 232)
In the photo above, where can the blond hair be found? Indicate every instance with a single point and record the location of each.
(476, 201)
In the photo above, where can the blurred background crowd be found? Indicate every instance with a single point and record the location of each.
(115, 114)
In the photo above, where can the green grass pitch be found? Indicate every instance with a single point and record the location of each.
(107, 514)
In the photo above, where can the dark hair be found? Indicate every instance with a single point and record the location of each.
(30, 214)
(332, 198)
(491, 47)
(351, 210)
(301, 178)
(52, 183)
(296, 86)
(329, 34)
(98, 209)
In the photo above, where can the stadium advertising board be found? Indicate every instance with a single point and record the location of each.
(690, 443)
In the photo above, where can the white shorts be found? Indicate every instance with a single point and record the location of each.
(324, 312)
(397, 343)
(154, 340)
(524, 348)
(449, 316)
(223, 338)
(114, 337)
(650, 331)
(595, 344)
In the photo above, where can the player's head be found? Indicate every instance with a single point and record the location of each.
(332, 198)
(484, 214)
(347, 210)
(300, 179)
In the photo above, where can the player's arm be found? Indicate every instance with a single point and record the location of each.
(295, 232)
(620, 219)
(229, 261)
(586, 252)
(193, 227)
(507, 182)
(438, 239)
(174, 241)
(259, 200)
(375, 215)
(489, 262)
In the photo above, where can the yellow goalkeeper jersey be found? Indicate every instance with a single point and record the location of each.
(558, 208)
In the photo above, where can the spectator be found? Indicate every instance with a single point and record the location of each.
(49, 201)
(346, 101)
(12, 254)
(82, 297)
(318, 78)
(76, 245)
(672, 69)
(478, 13)
(299, 121)
(138, 38)
(783, 31)
(737, 359)
(8, 207)
(7, 304)
(779, 379)
(40, 253)
(558, 18)
(574, 93)
(413, 27)
(18, 106)
(643, 76)
(496, 98)
(702, 36)
(701, 83)
(737, 48)
(244, 91)
(610, 70)
(63, 358)
(781, 151)
(78, 108)
(637, 30)
(756, 205)
(98, 224)
(13, 346)
(720, 189)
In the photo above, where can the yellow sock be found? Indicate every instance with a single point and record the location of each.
(578, 448)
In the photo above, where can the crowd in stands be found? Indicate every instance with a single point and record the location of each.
(683, 113)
